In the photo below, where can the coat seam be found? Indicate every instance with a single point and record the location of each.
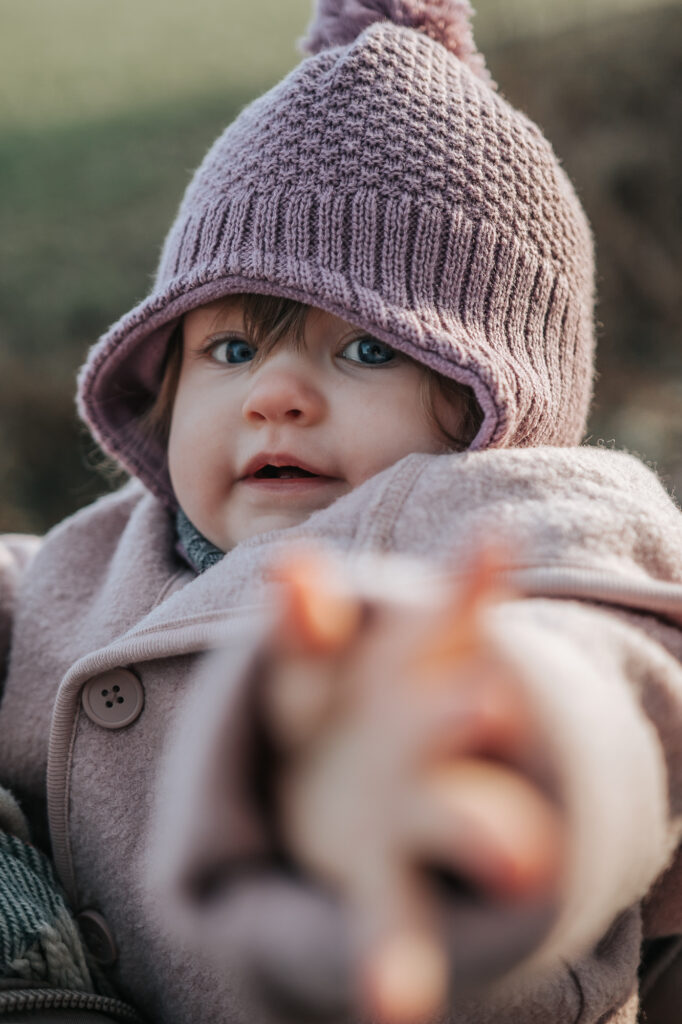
(378, 526)
(194, 620)
(573, 974)
(166, 587)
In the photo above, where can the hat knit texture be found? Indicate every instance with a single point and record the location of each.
(386, 181)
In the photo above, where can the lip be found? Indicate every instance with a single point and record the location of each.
(295, 489)
(283, 459)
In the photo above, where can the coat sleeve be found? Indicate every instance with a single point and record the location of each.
(607, 692)
(607, 697)
(662, 909)
(16, 553)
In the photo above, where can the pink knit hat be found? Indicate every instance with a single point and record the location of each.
(384, 180)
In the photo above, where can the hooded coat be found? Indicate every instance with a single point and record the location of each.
(114, 720)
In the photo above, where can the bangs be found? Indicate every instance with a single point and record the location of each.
(270, 320)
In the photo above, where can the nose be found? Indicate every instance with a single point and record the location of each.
(283, 392)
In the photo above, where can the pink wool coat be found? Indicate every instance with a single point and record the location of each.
(140, 794)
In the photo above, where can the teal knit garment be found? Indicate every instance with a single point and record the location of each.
(197, 550)
(39, 940)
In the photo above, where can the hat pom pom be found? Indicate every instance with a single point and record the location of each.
(340, 22)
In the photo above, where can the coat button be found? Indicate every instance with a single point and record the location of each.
(98, 937)
(113, 700)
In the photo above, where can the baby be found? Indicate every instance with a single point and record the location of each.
(410, 779)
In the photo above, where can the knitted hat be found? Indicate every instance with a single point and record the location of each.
(386, 181)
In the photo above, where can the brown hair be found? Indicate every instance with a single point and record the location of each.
(267, 320)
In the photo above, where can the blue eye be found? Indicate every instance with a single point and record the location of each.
(369, 351)
(233, 350)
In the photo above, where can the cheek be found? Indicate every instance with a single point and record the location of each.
(194, 451)
(394, 423)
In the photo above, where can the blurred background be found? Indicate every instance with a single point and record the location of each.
(106, 109)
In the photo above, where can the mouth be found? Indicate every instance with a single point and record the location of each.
(269, 467)
(270, 472)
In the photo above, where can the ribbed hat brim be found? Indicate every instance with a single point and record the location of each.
(122, 374)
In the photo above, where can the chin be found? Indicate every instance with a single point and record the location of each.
(276, 522)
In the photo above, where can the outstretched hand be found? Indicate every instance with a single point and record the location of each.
(400, 737)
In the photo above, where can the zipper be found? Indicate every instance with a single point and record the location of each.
(25, 1000)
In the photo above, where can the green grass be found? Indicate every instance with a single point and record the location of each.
(84, 209)
(75, 60)
(69, 60)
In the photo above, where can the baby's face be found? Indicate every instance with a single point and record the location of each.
(257, 445)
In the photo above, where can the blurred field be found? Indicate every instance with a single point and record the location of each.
(107, 108)
(66, 60)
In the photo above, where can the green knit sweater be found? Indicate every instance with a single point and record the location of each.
(39, 940)
(45, 973)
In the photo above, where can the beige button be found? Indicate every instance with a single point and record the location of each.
(114, 699)
(98, 937)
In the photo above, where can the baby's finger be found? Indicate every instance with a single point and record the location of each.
(316, 619)
(318, 614)
(297, 697)
(485, 719)
(456, 631)
(405, 980)
(404, 967)
(490, 825)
